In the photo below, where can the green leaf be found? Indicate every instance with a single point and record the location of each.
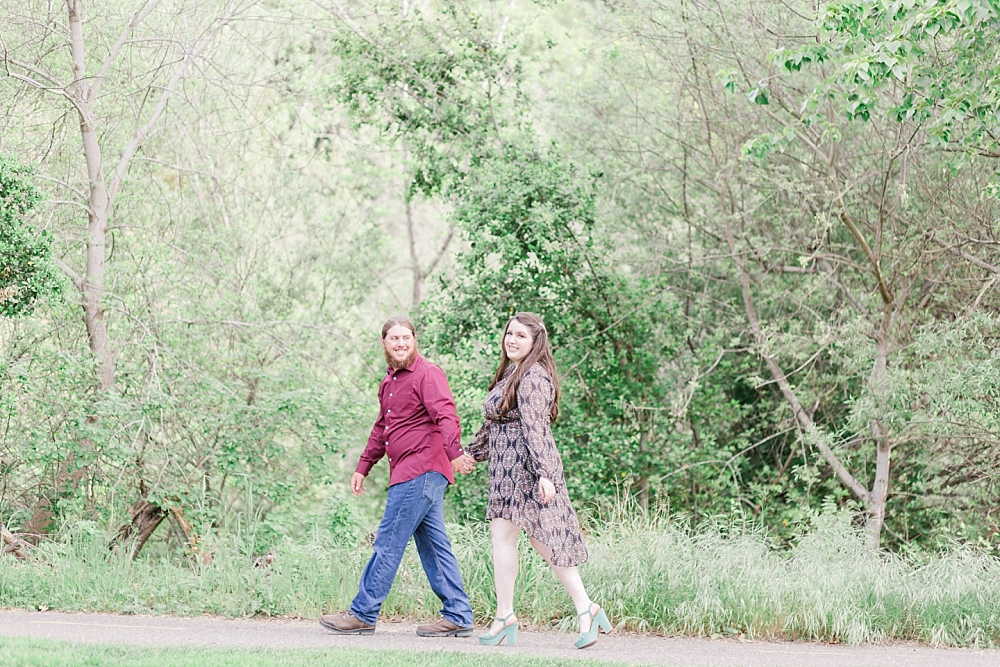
(758, 96)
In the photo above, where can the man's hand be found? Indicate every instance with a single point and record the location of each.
(463, 464)
(547, 489)
(358, 484)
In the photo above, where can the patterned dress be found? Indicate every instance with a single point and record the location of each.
(520, 450)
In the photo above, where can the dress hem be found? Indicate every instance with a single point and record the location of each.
(535, 537)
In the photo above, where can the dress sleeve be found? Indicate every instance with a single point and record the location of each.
(479, 448)
(534, 401)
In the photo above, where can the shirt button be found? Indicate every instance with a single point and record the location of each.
(388, 411)
(390, 394)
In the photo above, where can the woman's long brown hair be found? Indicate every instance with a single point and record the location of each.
(540, 353)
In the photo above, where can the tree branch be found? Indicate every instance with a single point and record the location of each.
(56, 86)
(70, 273)
(883, 287)
(440, 253)
(805, 421)
(137, 17)
(503, 22)
(143, 132)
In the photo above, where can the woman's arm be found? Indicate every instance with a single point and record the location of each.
(534, 402)
(479, 448)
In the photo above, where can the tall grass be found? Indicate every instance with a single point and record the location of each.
(649, 573)
(827, 586)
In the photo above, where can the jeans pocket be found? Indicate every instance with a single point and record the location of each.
(434, 487)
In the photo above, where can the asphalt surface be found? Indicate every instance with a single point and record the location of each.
(630, 649)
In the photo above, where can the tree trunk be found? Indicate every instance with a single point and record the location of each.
(418, 274)
(103, 187)
(879, 494)
(92, 285)
(880, 487)
(503, 22)
(40, 522)
(801, 416)
(99, 205)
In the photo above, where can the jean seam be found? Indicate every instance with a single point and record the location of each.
(451, 593)
(444, 579)
(392, 532)
(392, 529)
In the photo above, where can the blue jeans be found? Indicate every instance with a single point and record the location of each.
(414, 508)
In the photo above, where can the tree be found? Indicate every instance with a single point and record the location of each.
(933, 61)
(237, 229)
(83, 93)
(27, 272)
(808, 211)
(446, 87)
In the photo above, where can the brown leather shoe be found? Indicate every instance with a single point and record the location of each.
(443, 628)
(345, 623)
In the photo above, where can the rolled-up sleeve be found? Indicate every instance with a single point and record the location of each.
(436, 397)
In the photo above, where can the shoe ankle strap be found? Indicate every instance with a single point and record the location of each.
(504, 619)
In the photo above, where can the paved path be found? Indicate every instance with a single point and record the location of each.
(637, 650)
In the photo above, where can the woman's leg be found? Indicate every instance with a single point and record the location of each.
(571, 581)
(504, 534)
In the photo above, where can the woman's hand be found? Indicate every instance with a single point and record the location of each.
(547, 489)
(464, 464)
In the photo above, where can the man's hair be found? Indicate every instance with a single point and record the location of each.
(398, 322)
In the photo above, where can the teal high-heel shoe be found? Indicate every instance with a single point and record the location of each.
(508, 631)
(598, 622)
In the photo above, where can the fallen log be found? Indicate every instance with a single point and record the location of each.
(12, 544)
(146, 518)
(193, 544)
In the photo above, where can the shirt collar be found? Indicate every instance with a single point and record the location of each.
(389, 370)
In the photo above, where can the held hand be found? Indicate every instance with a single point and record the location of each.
(358, 484)
(547, 489)
(463, 464)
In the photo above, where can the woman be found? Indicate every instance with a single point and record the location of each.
(527, 489)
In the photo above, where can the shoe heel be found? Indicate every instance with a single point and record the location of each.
(602, 621)
(509, 633)
(599, 621)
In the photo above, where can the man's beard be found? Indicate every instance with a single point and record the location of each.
(405, 363)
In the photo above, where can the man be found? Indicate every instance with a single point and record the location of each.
(418, 429)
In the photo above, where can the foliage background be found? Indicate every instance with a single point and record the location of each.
(681, 189)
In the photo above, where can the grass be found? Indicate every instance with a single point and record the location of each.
(650, 574)
(21, 652)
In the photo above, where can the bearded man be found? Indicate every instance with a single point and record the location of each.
(418, 429)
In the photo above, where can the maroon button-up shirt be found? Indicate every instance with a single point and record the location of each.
(417, 424)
